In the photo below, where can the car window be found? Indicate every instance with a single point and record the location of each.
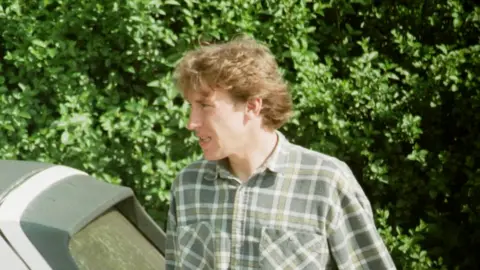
(112, 242)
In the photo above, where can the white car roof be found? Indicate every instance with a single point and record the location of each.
(14, 172)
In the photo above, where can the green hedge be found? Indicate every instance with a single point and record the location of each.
(391, 87)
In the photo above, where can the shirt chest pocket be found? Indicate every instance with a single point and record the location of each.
(287, 249)
(202, 246)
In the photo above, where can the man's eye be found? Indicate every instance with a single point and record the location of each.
(204, 105)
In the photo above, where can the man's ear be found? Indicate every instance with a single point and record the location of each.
(254, 106)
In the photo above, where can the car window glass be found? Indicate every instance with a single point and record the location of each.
(112, 242)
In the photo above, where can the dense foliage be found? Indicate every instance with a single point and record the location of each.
(391, 87)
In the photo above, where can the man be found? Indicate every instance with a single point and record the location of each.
(257, 201)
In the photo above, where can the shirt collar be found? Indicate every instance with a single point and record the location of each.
(277, 162)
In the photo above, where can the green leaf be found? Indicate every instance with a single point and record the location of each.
(24, 114)
(22, 86)
(8, 127)
(172, 2)
(65, 138)
(39, 43)
(130, 69)
(155, 83)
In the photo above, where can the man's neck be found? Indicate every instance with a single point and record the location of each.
(253, 155)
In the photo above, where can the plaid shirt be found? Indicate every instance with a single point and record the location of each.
(302, 210)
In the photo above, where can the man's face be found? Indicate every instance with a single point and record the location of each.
(219, 124)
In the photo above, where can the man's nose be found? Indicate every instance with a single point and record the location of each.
(193, 122)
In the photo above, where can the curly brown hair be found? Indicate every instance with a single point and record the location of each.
(244, 68)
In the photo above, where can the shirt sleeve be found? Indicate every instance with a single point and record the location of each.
(171, 245)
(354, 240)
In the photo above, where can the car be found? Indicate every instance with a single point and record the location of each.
(58, 217)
